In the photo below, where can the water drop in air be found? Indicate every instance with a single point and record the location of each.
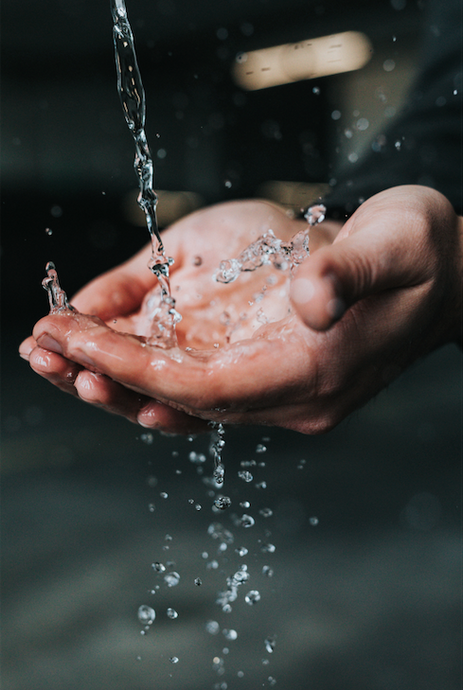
(146, 614)
(172, 579)
(269, 643)
(247, 521)
(222, 502)
(245, 475)
(172, 613)
(252, 597)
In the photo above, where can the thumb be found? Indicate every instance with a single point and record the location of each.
(363, 263)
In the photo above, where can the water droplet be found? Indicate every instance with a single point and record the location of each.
(229, 634)
(242, 551)
(245, 475)
(261, 485)
(245, 504)
(197, 458)
(164, 494)
(212, 627)
(266, 512)
(172, 613)
(313, 521)
(159, 567)
(146, 614)
(219, 474)
(260, 448)
(173, 659)
(316, 90)
(151, 507)
(198, 582)
(228, 184)
(388, 65)
(272, 681)
(247, 521)
(168, 537)
(268, 548)
(147, 438)
(252, 597)
(336, 114)
(222, 502)
(48, 231)
(172, 579)
(315, 214)
(217, 531)
(198, 506)
(269, 643)
(267, 571)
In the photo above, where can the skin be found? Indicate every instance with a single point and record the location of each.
(375, 295)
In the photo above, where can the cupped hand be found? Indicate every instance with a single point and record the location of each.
(259, 351)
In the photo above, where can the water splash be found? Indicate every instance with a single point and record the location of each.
(132, 97)
(216, 448)
(270, 250)
(56, 296)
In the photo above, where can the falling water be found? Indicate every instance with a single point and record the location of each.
(132, 96)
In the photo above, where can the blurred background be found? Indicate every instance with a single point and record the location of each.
(365, 521)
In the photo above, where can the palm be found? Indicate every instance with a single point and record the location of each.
(213, 313)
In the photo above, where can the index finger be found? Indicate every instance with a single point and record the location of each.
(251, 373)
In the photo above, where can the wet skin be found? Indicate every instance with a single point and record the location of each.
(375, 295)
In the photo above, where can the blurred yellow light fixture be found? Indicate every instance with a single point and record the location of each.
(318, 57)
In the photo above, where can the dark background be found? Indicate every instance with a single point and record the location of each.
(369, 598)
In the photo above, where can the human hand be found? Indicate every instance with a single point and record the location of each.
(395, 261)
(213, 313)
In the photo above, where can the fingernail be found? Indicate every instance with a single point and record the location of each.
(48, 343)
(24, 352)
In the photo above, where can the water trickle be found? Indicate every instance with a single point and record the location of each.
(132, 97)
(57, 298)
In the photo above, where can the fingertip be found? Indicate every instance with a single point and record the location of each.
(26, 348)
(317, 301)
(157, 415)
